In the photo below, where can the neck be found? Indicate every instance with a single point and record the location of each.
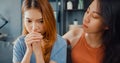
(94, 39)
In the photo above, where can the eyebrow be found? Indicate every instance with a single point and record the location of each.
(95, 11)
(36, 19)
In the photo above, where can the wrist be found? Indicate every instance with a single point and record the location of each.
(37, 51)
(29, 52)
(39, 58)
(26, 58)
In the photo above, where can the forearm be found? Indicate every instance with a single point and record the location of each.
(52, 61)
(26, 58)
(39, 58)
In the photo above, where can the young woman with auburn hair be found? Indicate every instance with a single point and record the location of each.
(39, 42)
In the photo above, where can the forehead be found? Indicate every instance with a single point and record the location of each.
(94, 5)
(32, 14)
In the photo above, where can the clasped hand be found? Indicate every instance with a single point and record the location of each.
(34, 42)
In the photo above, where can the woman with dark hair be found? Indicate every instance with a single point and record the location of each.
(99, 39)
(39, 42)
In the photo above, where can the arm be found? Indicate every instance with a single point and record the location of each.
(52, 61)
(29, 51)
(19, 54)
(59, 51)
(39, 58)
(68, 36)
(61, 56)
(26, 58)
(73, 36)
(37, 47)
(38, 53)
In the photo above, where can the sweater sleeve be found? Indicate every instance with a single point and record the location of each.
(59, 51)
(18, 50)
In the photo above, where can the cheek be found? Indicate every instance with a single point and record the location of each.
(40, 27)
(43, 28)
(98, 27)
(28, 27)
(84, 17)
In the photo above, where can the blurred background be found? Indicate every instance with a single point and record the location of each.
(68, 14)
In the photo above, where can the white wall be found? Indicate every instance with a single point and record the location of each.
(11, 10)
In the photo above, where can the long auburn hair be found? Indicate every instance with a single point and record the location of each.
(49, 21)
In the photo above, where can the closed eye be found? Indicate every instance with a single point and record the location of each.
(95, 16)
(87, 10)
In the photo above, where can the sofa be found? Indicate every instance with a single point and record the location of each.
(6, 52)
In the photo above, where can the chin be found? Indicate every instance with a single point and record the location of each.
(86, 31)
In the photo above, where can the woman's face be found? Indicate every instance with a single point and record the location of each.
(33, 21)
(92, 21)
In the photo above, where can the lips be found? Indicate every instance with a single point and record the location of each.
(85, 26)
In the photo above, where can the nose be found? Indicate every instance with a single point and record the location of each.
(34, 27)
(87, 19)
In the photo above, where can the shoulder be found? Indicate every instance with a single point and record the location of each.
(73, 36)
(19, 42)
(59, 50)
(60, 41)
(19, 39)
(59, 44)
(19, 49)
